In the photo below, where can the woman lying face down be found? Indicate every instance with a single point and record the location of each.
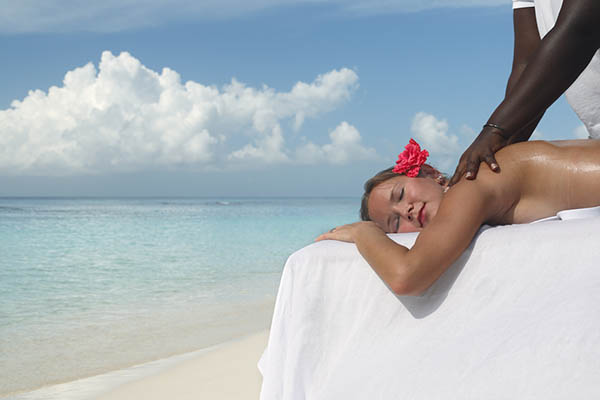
(538, 179)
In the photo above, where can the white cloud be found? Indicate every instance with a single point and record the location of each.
(432, 134)
(117, 15)
(268, 149)
(345, 147)
(581, 132)
(126, 117)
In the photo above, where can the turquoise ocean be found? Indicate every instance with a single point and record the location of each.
(92, 285)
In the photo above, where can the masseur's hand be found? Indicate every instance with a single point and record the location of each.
(481, 150)
(349, 233)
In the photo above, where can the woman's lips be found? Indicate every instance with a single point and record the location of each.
(422, 216)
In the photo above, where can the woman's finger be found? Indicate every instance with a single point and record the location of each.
(342, 233)
(322, 236)
(331, 234)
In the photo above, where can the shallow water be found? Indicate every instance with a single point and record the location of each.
(91, 285)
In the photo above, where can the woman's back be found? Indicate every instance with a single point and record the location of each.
(538, 179)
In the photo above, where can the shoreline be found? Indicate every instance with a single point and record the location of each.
(71, 354)
(208, 371)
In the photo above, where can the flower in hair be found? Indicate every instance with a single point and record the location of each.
(411, 159)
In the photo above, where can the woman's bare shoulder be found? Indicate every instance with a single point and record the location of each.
(500, 191)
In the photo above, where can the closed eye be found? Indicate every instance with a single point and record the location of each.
(395, 195)
(397, 222)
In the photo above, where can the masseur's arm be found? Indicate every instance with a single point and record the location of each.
(409, 272)
(552, 67)
(526, 42)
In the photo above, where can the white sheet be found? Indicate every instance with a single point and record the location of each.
(517, 316)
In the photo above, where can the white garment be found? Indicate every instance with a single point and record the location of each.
(584, 93)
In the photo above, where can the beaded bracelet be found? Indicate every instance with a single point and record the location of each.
(503, 132)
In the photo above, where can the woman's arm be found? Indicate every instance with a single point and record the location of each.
(409, 272)
(465, 208)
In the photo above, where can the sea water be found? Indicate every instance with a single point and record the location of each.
(90, 285)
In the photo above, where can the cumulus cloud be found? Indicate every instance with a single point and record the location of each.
(117, 15)
(345, 146)
(125, 117)
(269, 149)
(432, 134)
(581, 132)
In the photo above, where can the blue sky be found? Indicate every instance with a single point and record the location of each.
(259, 98)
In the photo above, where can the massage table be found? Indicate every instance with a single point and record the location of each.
(517, 316)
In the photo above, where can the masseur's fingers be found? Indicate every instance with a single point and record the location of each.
(458, 172)
(492, 163)
(481, 150)
(472, 168)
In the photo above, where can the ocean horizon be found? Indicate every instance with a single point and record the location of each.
(90, 285)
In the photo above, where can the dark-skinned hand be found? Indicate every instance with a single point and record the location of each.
(481, 150)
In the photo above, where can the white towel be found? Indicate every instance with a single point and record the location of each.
(517, 316)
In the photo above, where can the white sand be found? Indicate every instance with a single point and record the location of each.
(225, 373)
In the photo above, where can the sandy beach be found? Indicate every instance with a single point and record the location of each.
(226, 372)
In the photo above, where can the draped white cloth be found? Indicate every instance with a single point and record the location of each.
(517, 316)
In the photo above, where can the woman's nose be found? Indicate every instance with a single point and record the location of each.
(405, 210)
(408, 213)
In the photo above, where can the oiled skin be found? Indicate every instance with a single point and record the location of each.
(539, 179)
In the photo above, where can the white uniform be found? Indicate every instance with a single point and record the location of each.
(584, 93)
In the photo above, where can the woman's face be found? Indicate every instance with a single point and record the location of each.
(404, 204)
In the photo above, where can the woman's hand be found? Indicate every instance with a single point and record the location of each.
(349, 233)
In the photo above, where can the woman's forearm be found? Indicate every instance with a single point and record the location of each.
(389, 260)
